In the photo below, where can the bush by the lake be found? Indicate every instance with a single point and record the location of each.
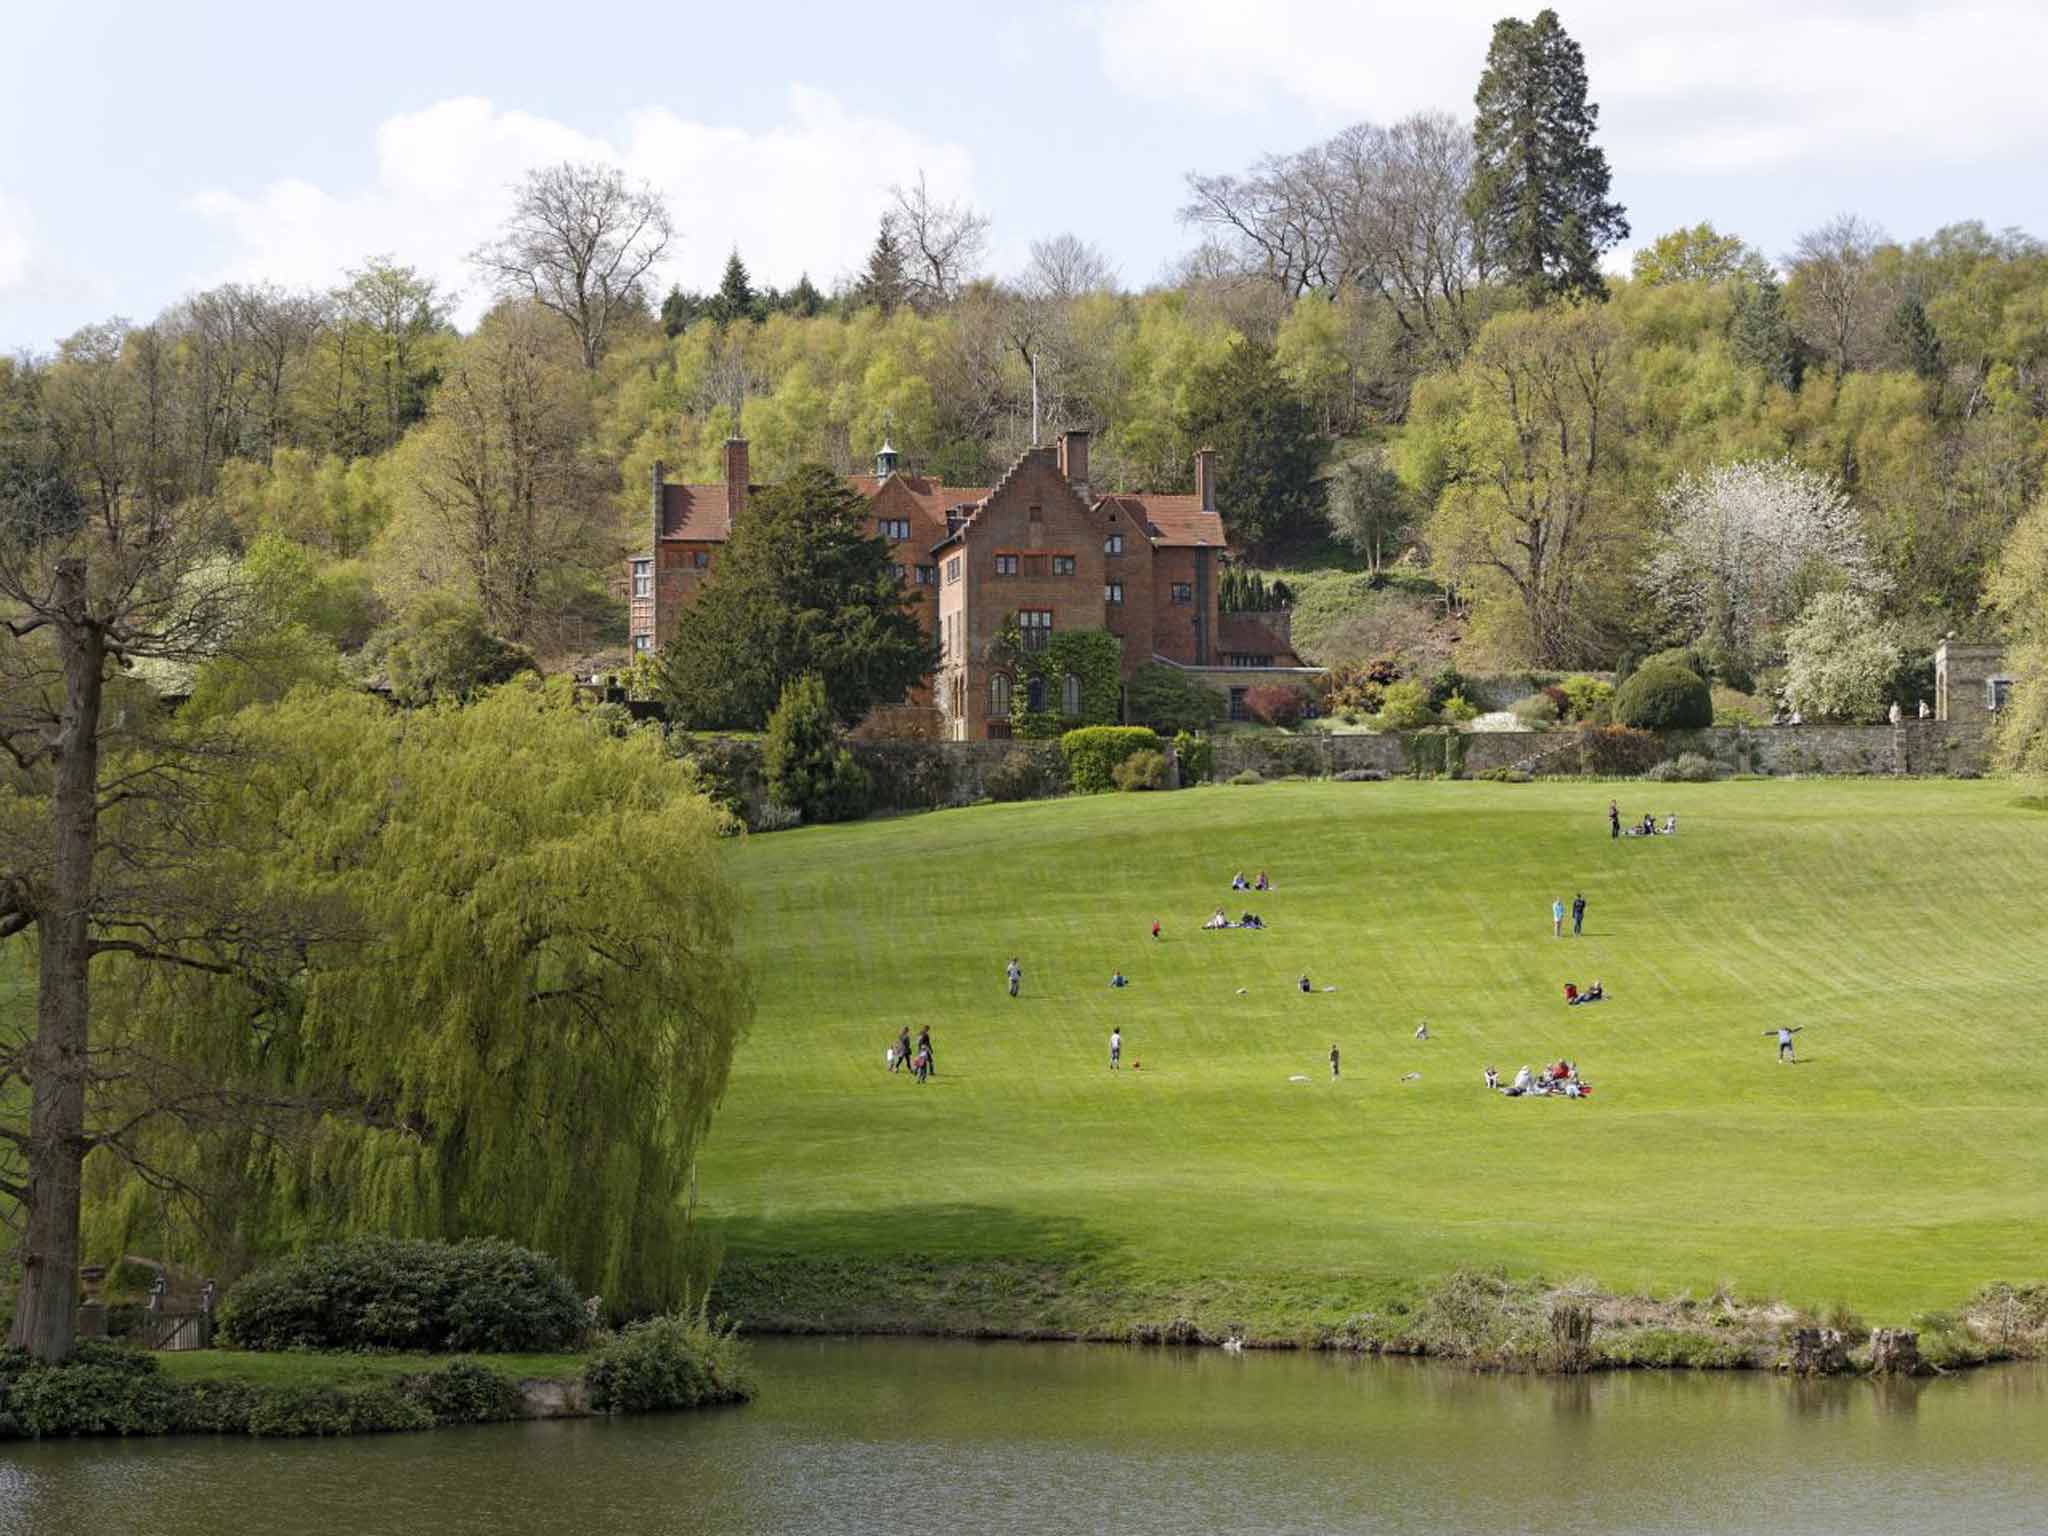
(484, 1295)
(678, 1361)
(106, 1389)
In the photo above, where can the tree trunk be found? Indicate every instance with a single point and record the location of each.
(45, 1307)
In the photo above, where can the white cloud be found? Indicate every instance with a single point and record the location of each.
(14, 247)
(801, 195)
(1730, 86)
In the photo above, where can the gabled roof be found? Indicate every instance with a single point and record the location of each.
(1171, 520)
(1247, 633)
(695, 512)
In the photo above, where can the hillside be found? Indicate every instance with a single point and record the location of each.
(1899, 1166)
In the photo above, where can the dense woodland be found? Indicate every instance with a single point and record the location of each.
(1402, 341)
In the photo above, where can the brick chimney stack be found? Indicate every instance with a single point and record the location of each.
(735, 479)
(1074, 459)
(1205, 478)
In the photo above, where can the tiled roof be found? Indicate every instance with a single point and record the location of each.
(697, 512)
(1176, 520)
(1243, 633)
(694, 512)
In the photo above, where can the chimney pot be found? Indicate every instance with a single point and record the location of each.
(735, 480)
(1074, 459)
(1205, 478)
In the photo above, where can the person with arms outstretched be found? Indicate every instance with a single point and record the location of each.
(1785, 1034)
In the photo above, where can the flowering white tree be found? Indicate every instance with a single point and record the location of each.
(1744, 546)
(1840, 659)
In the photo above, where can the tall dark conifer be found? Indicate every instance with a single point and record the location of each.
(1540, 189)
(735, 299)
(883, 284)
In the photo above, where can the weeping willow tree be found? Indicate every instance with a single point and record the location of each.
(513, 1012)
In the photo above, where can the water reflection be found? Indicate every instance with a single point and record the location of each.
(864, 1436)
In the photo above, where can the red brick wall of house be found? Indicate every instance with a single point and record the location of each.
(1005, 526)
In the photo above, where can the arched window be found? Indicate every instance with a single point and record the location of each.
(1070, 696)
(999, 697)
(1034, 694)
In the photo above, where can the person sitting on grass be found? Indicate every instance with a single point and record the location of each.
(1649, 827)
(1671, 825)
(1522, 1080)
(1118, 979)
(1492, 1078)
(1595, 992)
(1239, 883)
(1571, 994)
(1263, 883)
(1304, 983)
(1219, 919)
(1422, 1030)
(1251, 920)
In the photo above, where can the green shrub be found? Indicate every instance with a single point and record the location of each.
(464, 1392)
(1248, 776)
(1197, 756)
(1405, 707)
(1538, 711)
(1024, 774)
(1169, 699)
(1686, 768)
(1448, 683)
(1673, 1348)
(807, 767)
(1459, 709)
(1660, 697)
(387, 1293)
(1141, 770)
(101, 1390)
(1587, 698)
(1275, 704)
(678, 1361)
(442, 650)
(1093, 752)
(1616, 751)
(1504, 776)
(1360, 776)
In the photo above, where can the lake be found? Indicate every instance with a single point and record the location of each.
(889, 1435)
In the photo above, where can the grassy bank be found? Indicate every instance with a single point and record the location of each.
(1893, 1173)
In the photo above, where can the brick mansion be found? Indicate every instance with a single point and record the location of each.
(1041, 545)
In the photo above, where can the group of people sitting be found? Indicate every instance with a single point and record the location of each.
(1573, 996)
(1239, 883)
(1648, 827)
(1221, 919)
(1560, 1078)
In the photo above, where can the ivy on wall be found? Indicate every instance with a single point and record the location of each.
(1092, 655)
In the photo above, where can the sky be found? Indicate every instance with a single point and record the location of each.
(149, 150)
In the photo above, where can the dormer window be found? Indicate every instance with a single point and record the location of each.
(895, 529)
(1113, 545)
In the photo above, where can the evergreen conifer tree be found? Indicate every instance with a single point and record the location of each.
(735, 299)
(883, 284)
(1539, 194)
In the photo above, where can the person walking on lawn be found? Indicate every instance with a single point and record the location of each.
(1578, 913)
(1557, 918)
(1613, 819)
(1016, 974)
(902, 1051)
(1333, 1061)
(924, 1049)
(1116, 1048)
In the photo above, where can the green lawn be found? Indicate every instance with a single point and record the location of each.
(1901, 1165)
(295, 1369)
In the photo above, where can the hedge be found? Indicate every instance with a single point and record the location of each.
(679, 1361)
(388, 1293)
(105, 1389)
(1093, 752)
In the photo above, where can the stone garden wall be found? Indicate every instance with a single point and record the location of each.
(931, 775)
